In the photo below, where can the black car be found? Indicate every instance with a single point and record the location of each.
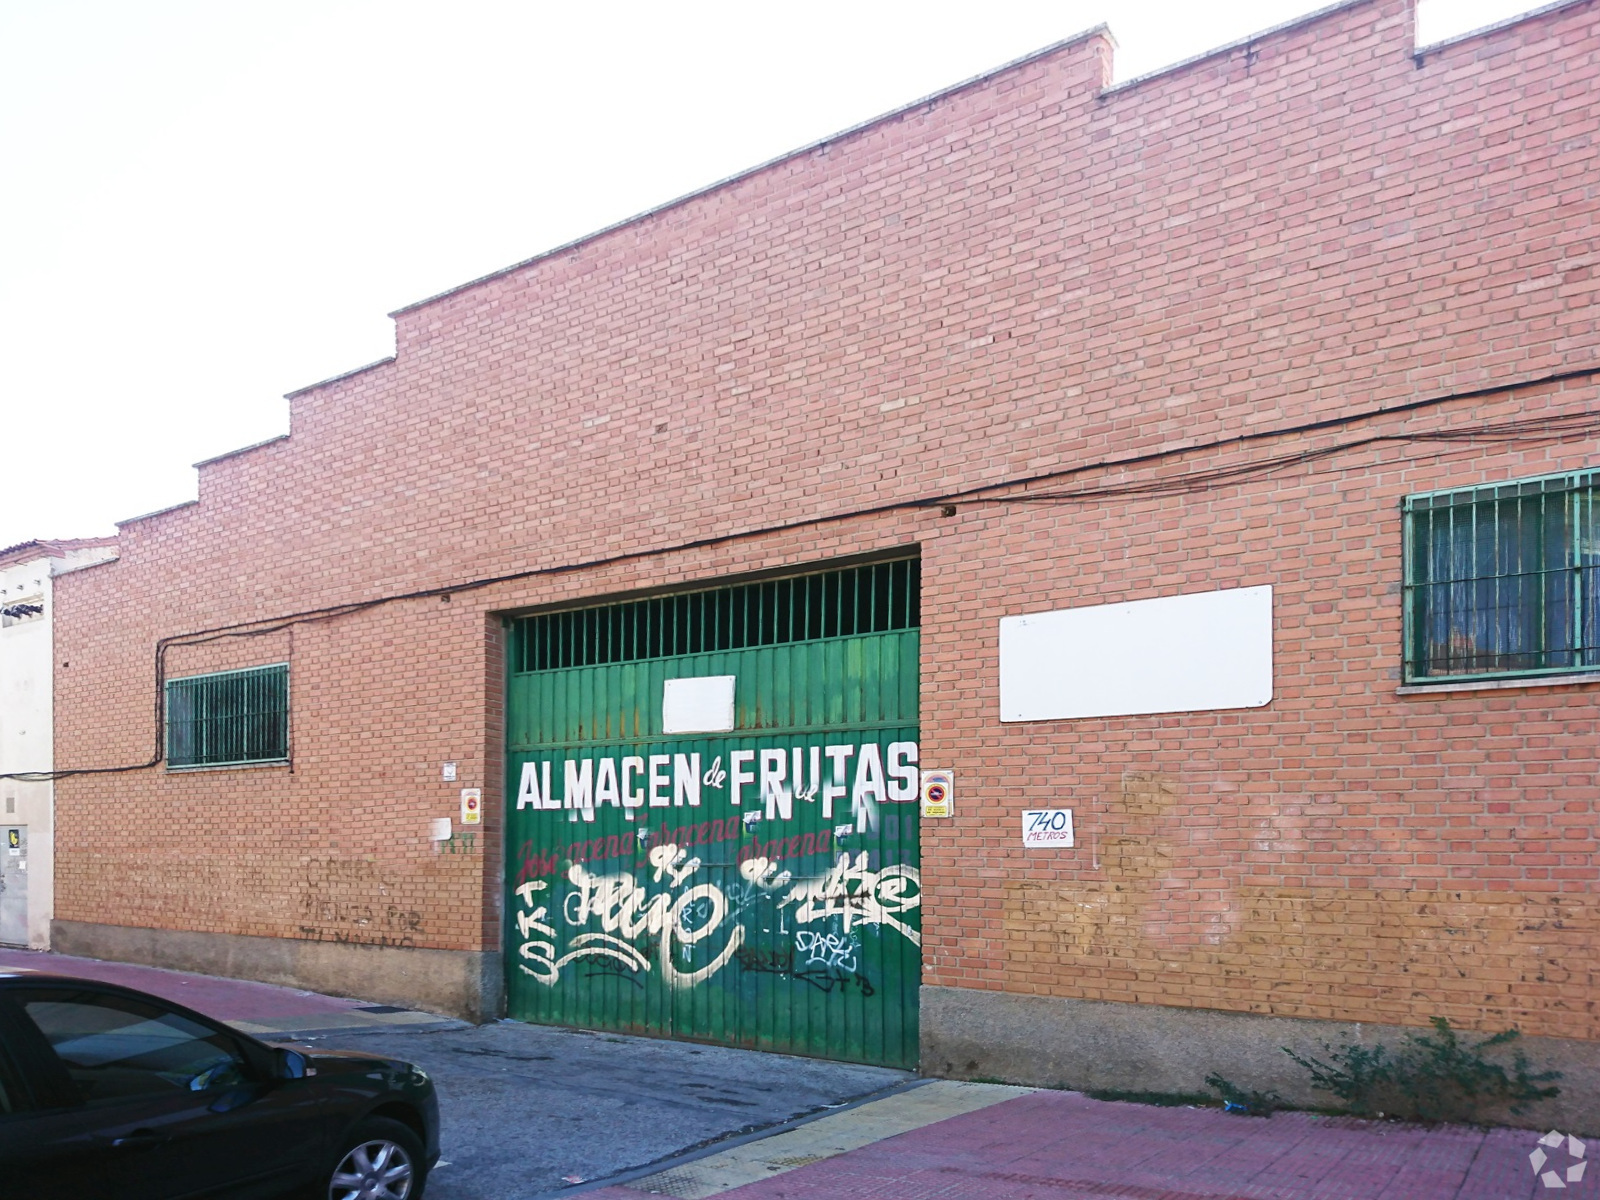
(108, 1092)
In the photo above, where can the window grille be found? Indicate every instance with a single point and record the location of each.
(1503, 581)
(229, 718)
(875, 598)
(15, 612)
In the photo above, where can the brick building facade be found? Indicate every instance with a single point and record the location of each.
(1069, 343)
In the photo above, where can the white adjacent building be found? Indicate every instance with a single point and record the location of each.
(27, 824)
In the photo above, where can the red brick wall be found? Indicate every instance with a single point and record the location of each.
(1024, 275)
(1347, 852)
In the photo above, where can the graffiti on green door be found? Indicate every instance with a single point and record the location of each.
(711, 815)
(669, 884)
(758, 887)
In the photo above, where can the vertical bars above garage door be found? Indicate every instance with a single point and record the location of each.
(876, 598)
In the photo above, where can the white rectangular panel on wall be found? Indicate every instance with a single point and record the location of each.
(701, 704)
(1205, 650)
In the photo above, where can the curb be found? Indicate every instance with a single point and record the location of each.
(730, 1142)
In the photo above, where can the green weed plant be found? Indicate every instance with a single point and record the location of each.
(1431, 1077)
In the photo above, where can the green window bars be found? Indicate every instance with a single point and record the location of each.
(1503, 581)
(229, 718)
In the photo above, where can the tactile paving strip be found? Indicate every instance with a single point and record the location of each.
(825, 1138)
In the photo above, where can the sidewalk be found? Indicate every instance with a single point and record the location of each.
(255, 1008)
(1017, 1144)
(936, 1138)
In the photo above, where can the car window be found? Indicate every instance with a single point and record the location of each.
(12, 1098)
(116, 1047)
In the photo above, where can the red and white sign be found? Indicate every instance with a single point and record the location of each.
(472, 806)
(938, 793)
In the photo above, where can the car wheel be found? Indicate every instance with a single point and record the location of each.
(380, 1159)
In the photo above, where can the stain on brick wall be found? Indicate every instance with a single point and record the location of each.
(1169, 923)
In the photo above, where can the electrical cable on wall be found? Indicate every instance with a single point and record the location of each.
(1533, 430)
(1530, 431)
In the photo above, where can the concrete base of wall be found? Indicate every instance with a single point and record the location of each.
(461, 983)
(1091, 1045)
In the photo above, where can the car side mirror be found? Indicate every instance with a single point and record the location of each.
(291, 1064)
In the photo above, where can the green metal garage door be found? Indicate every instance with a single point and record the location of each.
(751, 878)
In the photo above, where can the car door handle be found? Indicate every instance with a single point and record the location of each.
(139, 1139)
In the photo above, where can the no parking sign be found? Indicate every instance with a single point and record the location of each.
(938, 793)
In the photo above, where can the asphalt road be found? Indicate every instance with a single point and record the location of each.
(527, 1109)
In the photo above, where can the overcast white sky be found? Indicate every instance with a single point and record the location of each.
(205, 205)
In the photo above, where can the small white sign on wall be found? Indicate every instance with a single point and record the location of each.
(1047, 827)
(703, 704)
(1193, 653)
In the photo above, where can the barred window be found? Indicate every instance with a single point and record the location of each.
(1502, 581)
(16, 612)
(229, 718)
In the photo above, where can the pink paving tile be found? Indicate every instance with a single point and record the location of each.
(1064, 1146)
(224, 999)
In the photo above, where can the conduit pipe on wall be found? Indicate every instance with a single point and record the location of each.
(1558, 428)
